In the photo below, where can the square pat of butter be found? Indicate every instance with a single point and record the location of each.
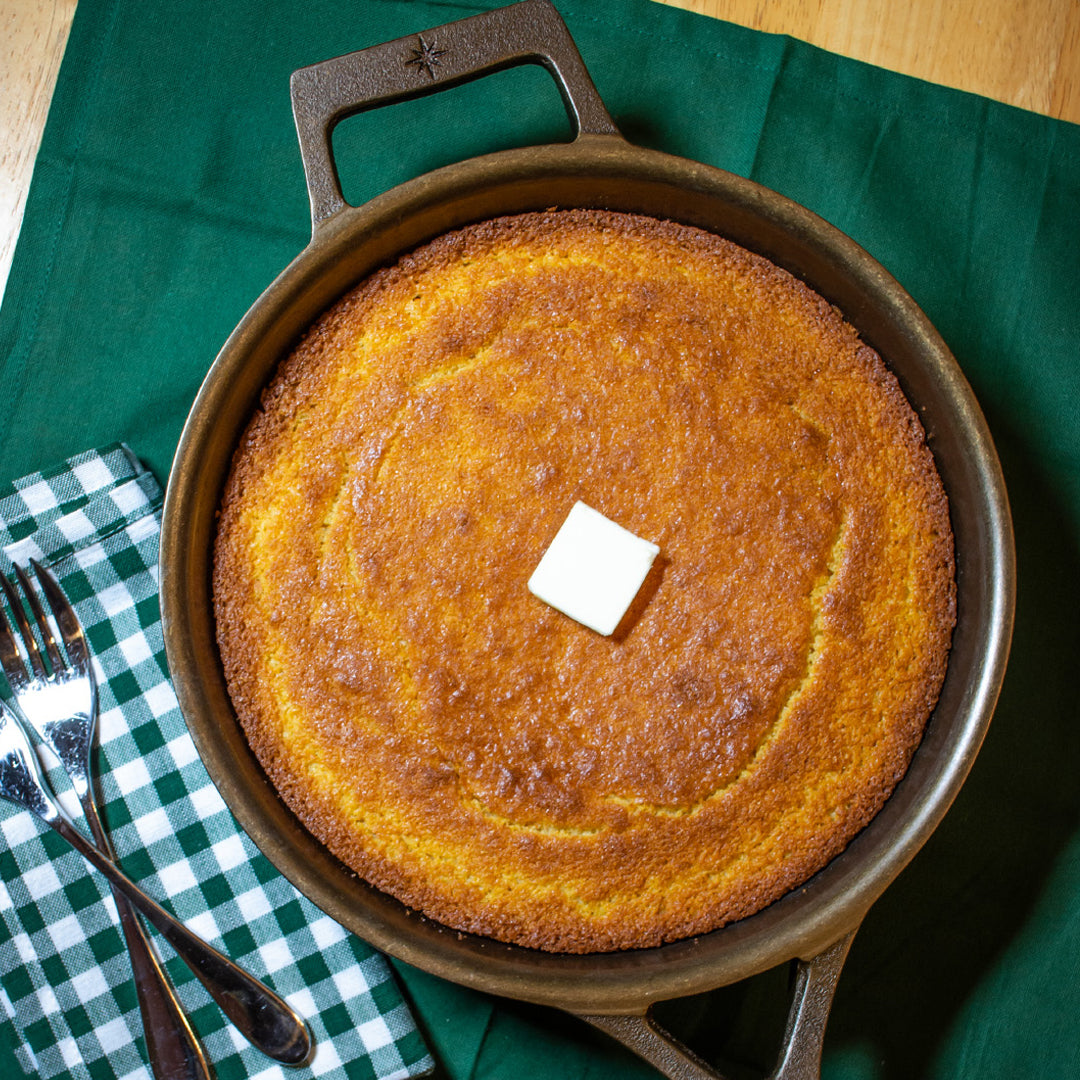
(593, 569)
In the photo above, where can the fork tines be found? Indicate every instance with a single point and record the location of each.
(68, 625)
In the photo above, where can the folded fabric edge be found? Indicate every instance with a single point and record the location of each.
(38, 498)
(99, 517)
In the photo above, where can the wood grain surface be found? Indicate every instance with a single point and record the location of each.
(33, 34)
(1024, 52)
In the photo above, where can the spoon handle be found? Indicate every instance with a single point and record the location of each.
(255, 1009)
(171, 1044)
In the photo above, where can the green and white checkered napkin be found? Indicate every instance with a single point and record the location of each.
(65, 980)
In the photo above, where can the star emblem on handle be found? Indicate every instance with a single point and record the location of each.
(425, 57)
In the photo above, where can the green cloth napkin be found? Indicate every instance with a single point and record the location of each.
(169, 193)
(65, 981)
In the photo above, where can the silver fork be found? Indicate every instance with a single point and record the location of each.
(59, 700)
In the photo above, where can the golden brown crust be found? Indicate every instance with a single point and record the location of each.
(481, 756)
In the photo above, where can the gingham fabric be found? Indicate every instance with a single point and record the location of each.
(64, 973)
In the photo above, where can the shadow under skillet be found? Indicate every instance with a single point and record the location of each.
(940, 929)
(936, 934)
(944, 924)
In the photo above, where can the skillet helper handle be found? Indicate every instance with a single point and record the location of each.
(531, 32)
(800, 1052)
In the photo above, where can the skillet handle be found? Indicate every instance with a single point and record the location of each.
(531, 32)
(800, 1053)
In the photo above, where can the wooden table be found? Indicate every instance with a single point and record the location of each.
(1024, 52)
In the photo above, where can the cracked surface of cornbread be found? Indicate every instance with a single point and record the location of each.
(486, 759)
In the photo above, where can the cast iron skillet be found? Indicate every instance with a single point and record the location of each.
(811, 926)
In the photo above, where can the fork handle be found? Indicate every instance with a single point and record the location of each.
(259, 1014)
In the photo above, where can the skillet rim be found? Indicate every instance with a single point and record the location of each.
(598, 170)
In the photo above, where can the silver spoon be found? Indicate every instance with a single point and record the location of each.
(255, 1010)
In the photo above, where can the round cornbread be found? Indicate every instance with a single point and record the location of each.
(481, 756)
